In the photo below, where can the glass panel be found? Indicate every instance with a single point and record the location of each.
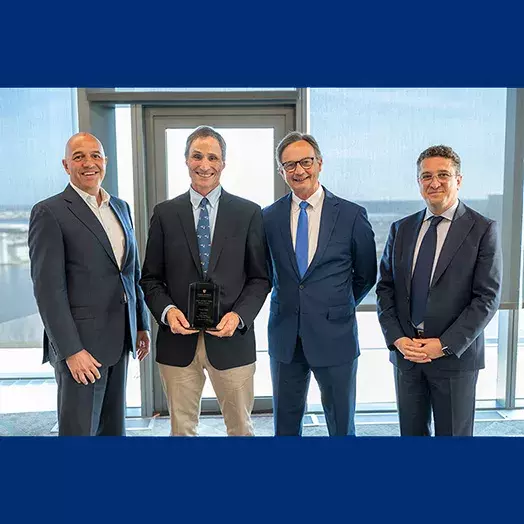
(370, 140)
(487, 381)
(519, 388)
(249, 173)
(34, 127)
(124, 158)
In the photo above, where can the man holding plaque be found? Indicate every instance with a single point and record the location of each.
(205, 280)
(323, 257)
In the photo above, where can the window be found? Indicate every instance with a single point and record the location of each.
(34, 127)
(370, 140)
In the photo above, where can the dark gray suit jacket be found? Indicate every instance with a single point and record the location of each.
(464, 293)
(82, 296)
(237, 263)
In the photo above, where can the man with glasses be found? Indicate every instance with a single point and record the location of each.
(206, 235)
(322, 256)
(439, 286)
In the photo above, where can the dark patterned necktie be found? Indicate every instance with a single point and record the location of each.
(422, 274)
(204, 235)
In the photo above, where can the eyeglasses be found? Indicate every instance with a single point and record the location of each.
(306, 163)
(441, 177)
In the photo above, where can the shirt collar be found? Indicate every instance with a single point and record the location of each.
(448, 214)
(90, 199)
(212, 196)
(314, 200)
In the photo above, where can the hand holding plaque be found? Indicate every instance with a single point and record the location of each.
(227, 325)
(178, 323)
(204, 305)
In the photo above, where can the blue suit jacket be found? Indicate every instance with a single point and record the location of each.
(82, 295)
(464, 293)
(320, 307)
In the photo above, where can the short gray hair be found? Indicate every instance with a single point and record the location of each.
(440, 151)
(293, 137)
(205, 132)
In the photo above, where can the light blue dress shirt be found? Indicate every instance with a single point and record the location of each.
(212, 208)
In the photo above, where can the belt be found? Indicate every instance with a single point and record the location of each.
(420, 333)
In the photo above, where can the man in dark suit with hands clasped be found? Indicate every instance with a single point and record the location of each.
(439, 286)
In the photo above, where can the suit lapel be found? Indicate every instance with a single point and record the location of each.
(224, 221)
(458, 231)
(124, 223)
(81, 210)
(187, 218)
(284, 219)
(328, 220)
(414, 225)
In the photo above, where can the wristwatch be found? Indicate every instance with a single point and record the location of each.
(446, 351)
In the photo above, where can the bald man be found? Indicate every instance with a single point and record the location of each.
(85, 271)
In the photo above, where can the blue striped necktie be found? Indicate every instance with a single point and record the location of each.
(204, 235)
(301, 242)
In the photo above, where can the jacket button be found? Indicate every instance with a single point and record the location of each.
(301, 286)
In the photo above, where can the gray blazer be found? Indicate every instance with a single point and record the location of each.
(464, 293)
(82, 296)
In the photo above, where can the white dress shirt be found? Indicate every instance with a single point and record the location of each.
(109, 221)
(314, 213)
(442, 233)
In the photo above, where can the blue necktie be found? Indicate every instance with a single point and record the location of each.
(421, 278)
(204, 235)
(301, 243)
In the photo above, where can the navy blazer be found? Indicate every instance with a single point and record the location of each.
(464, 293)
(320, 307)
(237, 264)
(82, 296)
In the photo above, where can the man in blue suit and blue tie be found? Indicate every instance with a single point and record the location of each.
(322, 257)
(439, 286)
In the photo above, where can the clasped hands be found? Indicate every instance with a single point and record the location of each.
(180, 326)
(419, 350)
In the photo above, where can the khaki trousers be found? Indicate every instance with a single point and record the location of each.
(183, 387)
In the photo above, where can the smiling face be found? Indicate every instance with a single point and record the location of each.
(205, 164)
(85, 162)
(439, 192)
(302, 181)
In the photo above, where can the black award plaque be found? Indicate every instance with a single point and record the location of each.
(204, 305)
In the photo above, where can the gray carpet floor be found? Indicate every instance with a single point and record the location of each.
(44, 424)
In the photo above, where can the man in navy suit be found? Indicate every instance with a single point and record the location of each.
(323, 260)
(439, 286)
(85, 271)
